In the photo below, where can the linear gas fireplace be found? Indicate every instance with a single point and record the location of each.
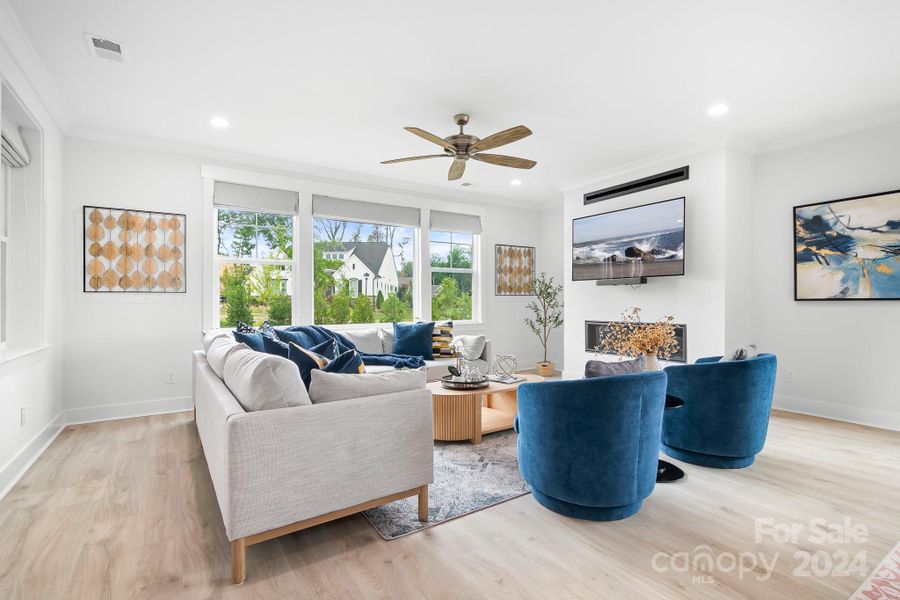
(595, 330)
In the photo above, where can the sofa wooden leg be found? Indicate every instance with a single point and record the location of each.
(423, 503)
(238, 555)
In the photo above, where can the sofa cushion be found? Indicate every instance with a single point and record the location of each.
(218, 353)
(213, 334)
(414, 339)
(330, 387)
(472, 346)
(442, 339)
(387, 340)
(365, 340)
(262, 381)
(599, 368)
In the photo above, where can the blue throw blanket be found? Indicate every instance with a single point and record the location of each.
(311, 335)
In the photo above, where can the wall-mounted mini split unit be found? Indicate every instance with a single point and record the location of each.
(105, 48)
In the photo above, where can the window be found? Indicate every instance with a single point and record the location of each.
(5, 201)
(363, 272)
(254, 258)
(451, 275)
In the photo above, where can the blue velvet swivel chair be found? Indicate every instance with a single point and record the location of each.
(725, 416)
(589, 448)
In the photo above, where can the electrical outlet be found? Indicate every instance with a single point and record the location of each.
(170, 376)
(22, 417)
(791, 377)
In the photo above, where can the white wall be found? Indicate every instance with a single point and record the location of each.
(34, 381)
(119, 346)
(697, 299)
(552, 260)
(843, 354)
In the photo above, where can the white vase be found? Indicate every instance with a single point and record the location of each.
(651, 363)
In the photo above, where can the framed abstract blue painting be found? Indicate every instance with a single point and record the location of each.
(848, 249)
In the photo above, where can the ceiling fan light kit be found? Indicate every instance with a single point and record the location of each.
(463, 146)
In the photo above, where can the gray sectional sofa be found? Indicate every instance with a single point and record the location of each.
(279, 470)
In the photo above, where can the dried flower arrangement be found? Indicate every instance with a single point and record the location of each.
(632, 337)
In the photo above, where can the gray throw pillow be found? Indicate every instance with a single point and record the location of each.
(365, 340)
(330, 387)
(599, 368)
(387, 340)
(472, 346)
(262, 381)
(742, 353)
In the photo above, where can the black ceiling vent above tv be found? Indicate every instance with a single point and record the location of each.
(638, 185)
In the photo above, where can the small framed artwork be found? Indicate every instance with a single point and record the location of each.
(594, 331)
(848, 249)
(513, 270)
(133, 251)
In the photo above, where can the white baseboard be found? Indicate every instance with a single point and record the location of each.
(871, 417)
(127, 410)
(13, 470)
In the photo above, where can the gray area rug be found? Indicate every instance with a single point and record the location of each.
(467, 478)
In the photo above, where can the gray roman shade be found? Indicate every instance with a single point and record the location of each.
(258, 199)
(14, 152)
(368, 212)
(445, 221)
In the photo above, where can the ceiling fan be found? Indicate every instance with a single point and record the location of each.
(462, 146)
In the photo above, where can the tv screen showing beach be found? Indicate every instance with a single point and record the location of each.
(644, 241)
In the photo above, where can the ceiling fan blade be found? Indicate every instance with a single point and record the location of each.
(432, 138)
(505, 161)
(396, 160)
(456, 169)
(507, 136)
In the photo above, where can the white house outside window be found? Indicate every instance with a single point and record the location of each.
(363, 272)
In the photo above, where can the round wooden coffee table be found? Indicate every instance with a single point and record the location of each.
(468, 414)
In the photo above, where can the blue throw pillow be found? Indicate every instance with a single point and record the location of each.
(253, 337)
(307, 360)
(346, 362)
(414, 339)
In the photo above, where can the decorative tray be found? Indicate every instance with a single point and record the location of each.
(447, 382)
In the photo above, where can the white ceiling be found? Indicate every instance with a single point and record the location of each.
(601, 83)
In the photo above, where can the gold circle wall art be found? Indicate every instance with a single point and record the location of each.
(134, 251)
(514, 270)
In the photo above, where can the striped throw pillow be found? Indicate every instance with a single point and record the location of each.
(442, 340)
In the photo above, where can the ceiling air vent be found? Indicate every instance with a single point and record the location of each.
(638, 185)
(104, 48)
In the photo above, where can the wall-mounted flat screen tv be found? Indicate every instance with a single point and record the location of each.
(644, 241)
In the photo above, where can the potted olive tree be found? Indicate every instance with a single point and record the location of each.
(546, 316)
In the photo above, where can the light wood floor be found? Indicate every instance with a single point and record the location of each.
(125, 509)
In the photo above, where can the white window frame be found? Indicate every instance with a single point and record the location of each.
(6, 189)
(303, 240)
(474, 271)
(220, 260)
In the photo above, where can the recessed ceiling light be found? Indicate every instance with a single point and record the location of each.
(515, 182)
(717, 110)
(220, 122)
